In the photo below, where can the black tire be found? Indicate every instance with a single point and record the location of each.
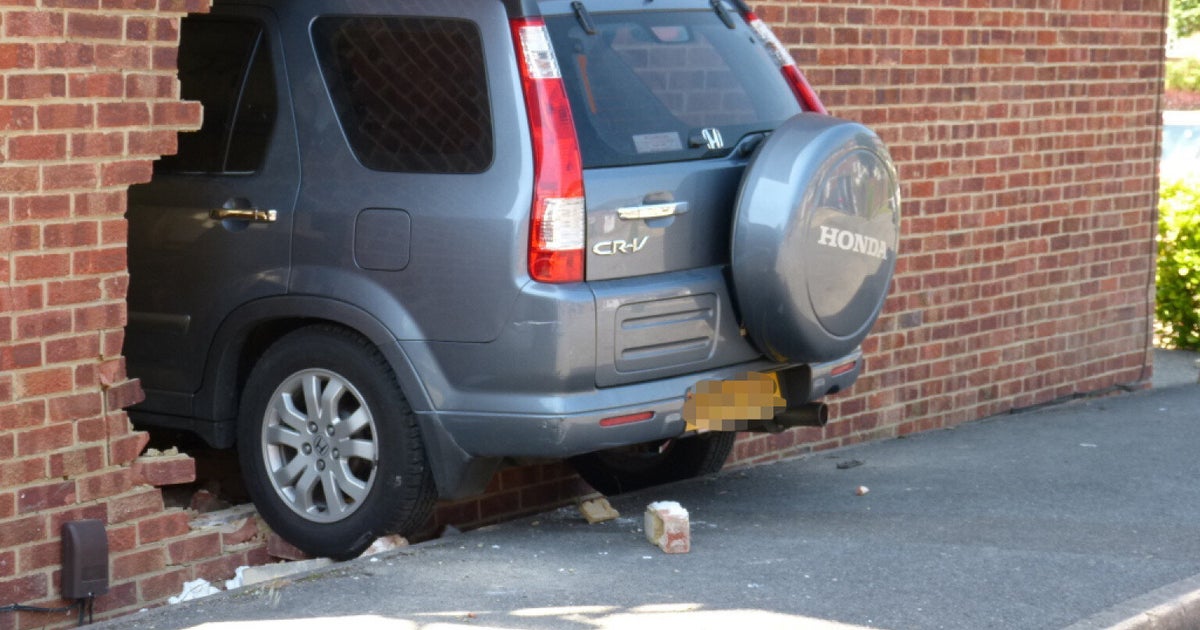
(331, 503)
(621, 470)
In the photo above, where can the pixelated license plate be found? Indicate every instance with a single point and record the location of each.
(733, 405)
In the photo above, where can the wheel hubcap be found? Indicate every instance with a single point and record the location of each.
(320, 445)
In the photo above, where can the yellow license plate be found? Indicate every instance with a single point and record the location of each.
(734, 404)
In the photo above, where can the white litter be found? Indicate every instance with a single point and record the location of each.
(194, 590)
(236, 582)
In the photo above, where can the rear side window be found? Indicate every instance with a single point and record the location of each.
(410, 93)
(659, 86)
(225, 63)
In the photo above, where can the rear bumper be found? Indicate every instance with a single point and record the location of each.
(576, 427)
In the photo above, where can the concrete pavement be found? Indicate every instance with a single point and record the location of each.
(1084, 515)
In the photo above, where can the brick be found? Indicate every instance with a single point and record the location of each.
(73, 291)
(28, 588)
(40, 556)
(22, 531)
(77, 461)
(18, 179)
(36, 86)
(164, 470)
(96, 85)
(104, 485)
(21, 472)
(163, 585)
(94, 26)
(241, 533)
(65, 55)
(122, 114)
(167, 525)
(45, 497)
(8, 563)
(277, 547)
(667, 526)
(44, 382)
(98, 144)
(17, 56)
(75, 234)
(16, 117)
(125, 449)
(53, 116)
(135, 563)
(98, 261)
(194, 548)
(134, 504)
(37, 147)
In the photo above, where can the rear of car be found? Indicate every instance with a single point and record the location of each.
(420, 238)
(645, 126)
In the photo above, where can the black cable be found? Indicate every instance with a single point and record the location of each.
(88, 605)
(39, 609)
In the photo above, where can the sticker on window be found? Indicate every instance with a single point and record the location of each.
(658, 142)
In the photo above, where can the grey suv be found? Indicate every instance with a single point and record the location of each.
(413, 239)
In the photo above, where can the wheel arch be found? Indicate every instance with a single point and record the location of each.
(250, 329)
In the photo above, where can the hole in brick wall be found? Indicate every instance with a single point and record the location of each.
(218, 475)
(520, 488)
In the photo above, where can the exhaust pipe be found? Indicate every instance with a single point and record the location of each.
(807, 415)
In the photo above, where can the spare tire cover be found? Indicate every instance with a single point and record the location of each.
(814, 238)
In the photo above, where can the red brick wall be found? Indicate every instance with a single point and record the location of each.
(88, 98)
(1025, 132)
(1027, 141)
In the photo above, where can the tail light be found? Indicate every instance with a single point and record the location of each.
(804, 93)
(556, 230)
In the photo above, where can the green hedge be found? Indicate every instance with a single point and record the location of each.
(1177, 282)
(1183, 74)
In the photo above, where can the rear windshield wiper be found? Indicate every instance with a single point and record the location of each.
(719, 7)
(584, 18)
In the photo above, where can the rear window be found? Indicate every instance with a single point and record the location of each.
(661, 86)
(410, 93)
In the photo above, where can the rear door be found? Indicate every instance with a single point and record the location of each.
(669, 101)
(212, 230)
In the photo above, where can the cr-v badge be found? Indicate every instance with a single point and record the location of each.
(612, 248)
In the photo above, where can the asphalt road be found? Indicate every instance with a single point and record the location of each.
(1036, 520)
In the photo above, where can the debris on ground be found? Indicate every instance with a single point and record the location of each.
(861, 491)
(666, 525)
(204, 501)
(850, 463)
(385, 543)
(237, 580)
(194, 590)
(598, 510)
(271, 572)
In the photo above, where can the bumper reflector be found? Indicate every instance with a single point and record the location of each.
(629, 419)
(843, 368)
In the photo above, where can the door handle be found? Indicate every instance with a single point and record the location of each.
(653, 211)
(244, 214)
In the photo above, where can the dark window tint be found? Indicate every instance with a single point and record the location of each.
(645, 86)
(226, 65)
(410, 92)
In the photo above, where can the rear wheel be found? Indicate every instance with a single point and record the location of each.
(330, 450)
(640, 466)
